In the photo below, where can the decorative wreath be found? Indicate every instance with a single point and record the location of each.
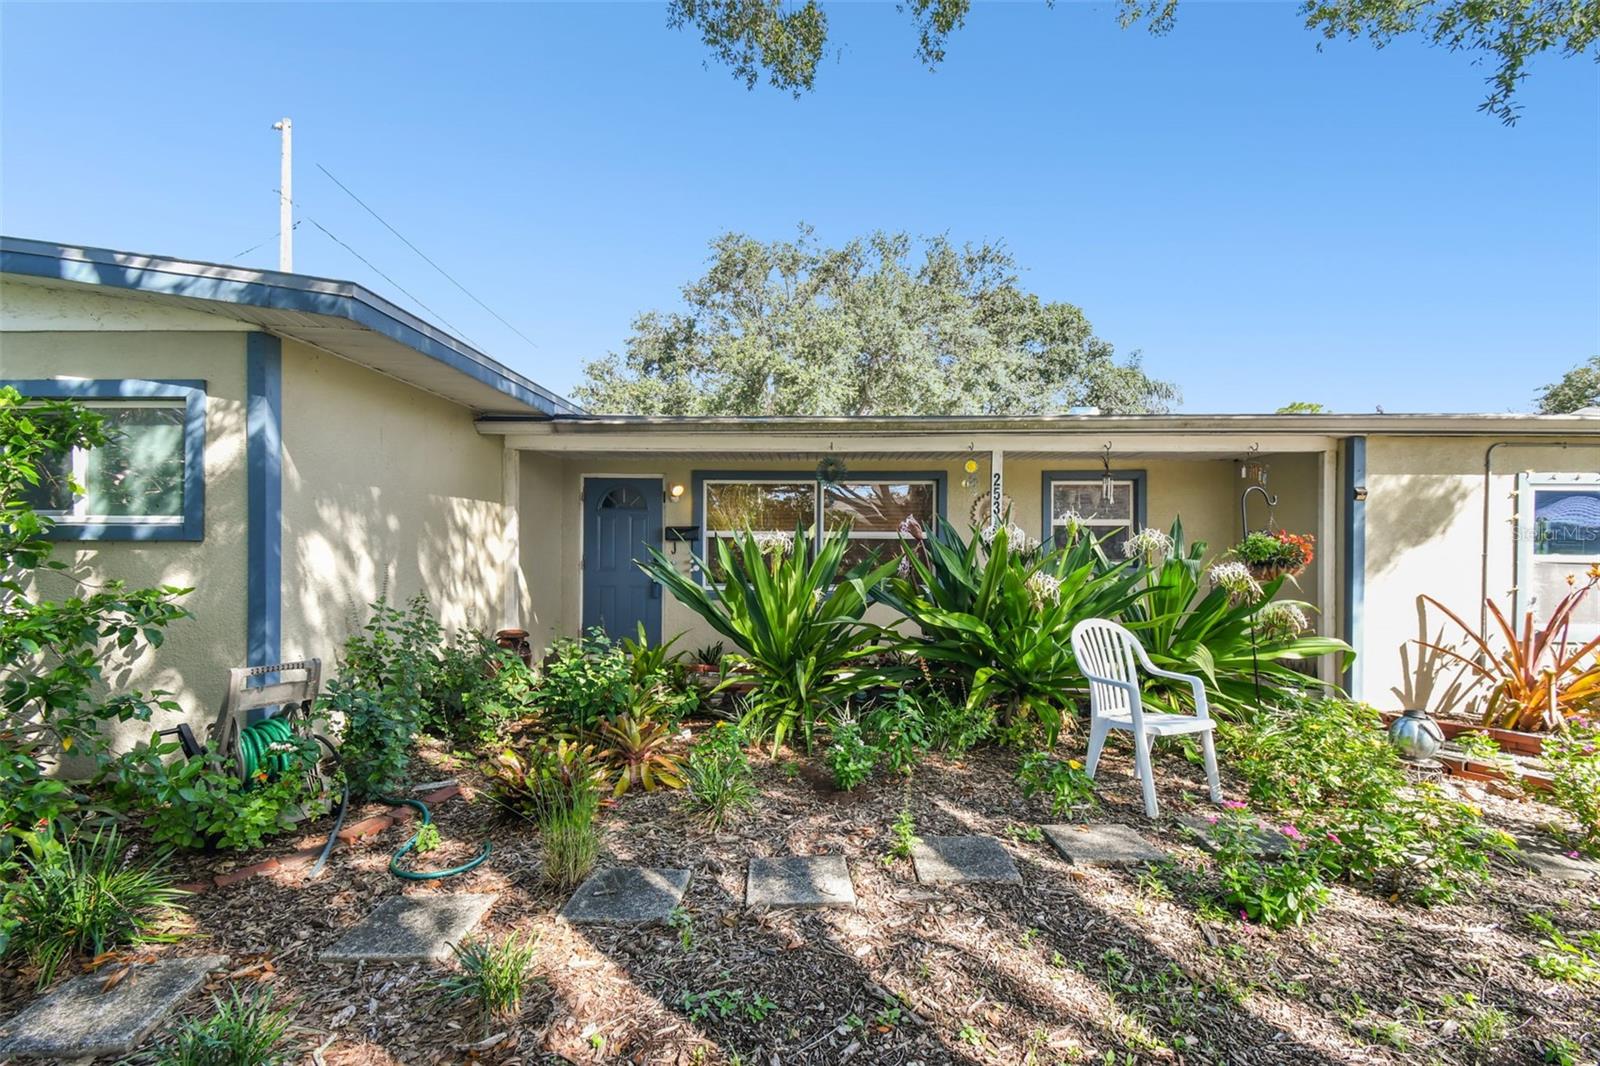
(831, 469)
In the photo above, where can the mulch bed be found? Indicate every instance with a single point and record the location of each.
(1070, 965)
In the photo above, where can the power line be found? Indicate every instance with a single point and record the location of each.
(374, 268)
(424, 256)
(263, 244)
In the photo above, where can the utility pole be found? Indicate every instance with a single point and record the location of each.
(285, 198)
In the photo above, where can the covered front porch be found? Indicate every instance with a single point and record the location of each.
(590, 497)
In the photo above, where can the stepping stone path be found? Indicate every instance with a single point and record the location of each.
(1102, 845)
(959, 860)
(627, 895)
(1269, 843)
(411, 928)
(1548, 859)
(78, 1021)
(799, 881)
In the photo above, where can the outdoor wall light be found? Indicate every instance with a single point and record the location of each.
(676, 491)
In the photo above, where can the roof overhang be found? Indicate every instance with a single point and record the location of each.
(338, 317)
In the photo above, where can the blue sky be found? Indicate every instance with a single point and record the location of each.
(1264, 221)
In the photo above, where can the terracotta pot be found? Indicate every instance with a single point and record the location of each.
(516, 640)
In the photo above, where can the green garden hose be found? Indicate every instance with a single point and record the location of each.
(269, 748)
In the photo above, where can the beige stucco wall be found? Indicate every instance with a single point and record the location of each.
(1425, 526)
(194, 660)
(1204, 491)
(385, 489)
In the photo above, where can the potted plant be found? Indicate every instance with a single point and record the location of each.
(1270, 554)
(706, 660)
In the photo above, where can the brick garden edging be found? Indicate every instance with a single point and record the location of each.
(349, 835)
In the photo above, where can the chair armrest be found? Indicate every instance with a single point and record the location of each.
(1195, 683)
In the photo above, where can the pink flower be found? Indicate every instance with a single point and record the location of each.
(1243, 916)
(1291, 832)
(1573, 855)
(1334, 837)
(1234, 805)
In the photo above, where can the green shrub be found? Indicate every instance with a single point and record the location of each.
(1572, 755)
(796, 620)
(994, 619)
(585, 682)
(718, 777)
(242, 1030)
(52, 693)
(954, 725)
(898, 732)
(851, 758)
(478, 690)
(81, 899)
(375, 737)
(198, 803)
(493, 976)
(1063, 782)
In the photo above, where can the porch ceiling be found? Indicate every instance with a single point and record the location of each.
(953, 455)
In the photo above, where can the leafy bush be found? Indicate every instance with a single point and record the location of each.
(54, 649)
(996, 617)
(1572, 755)
(1283, 892)
(636, 749)
(493, 976)
(242, 1030)
(898, 731)
(478, 690)
(585, 682)
(851, 758)
(81, 899)
(1216, 633)
(1064, 783)
(1327, 762)
(795, 619)
(719, 780)
(954, 725)
(198, 803)
(375, 737)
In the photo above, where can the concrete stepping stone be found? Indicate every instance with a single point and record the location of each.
(411, 928)
(78, 1021)
(960, 860)
(627, 895)
(1269, 843)
(1102, 845)
(799, 881)
(1548, 859)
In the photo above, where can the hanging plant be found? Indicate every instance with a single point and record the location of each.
(1269, 554)
(831, 469)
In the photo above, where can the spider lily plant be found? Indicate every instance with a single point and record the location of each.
(998, 616)
(1218, 634)
(795, 619)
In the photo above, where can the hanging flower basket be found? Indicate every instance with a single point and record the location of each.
(1271, 554)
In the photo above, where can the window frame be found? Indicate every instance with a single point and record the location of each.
(701, 478)
(103, 392)
(1528, 485)
(1051, 478)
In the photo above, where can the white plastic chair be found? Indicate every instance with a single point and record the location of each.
(1106, 653)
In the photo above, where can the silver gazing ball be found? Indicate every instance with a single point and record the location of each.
(1416, 736)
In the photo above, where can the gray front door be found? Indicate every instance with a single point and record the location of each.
(621, 516)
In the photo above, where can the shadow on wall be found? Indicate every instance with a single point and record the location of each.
(1422, 505)
(1431, 680)
(360, 548)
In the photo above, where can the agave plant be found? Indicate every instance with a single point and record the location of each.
(637, 749)
(1540, 677)
(1230, 636)
(998, 616)
(796, 621)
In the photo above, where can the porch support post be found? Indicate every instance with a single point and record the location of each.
(1355, 554)
(1328, 572)
(997, 486)
(511, 538)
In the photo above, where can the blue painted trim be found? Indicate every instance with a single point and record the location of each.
(264, 495)
(1355, 556)
(270, 289)
(698, 479)
(1141, 502)
(193, 393)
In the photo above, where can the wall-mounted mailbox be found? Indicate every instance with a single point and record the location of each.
(683, 534)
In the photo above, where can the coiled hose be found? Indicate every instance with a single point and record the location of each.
(269, 748)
